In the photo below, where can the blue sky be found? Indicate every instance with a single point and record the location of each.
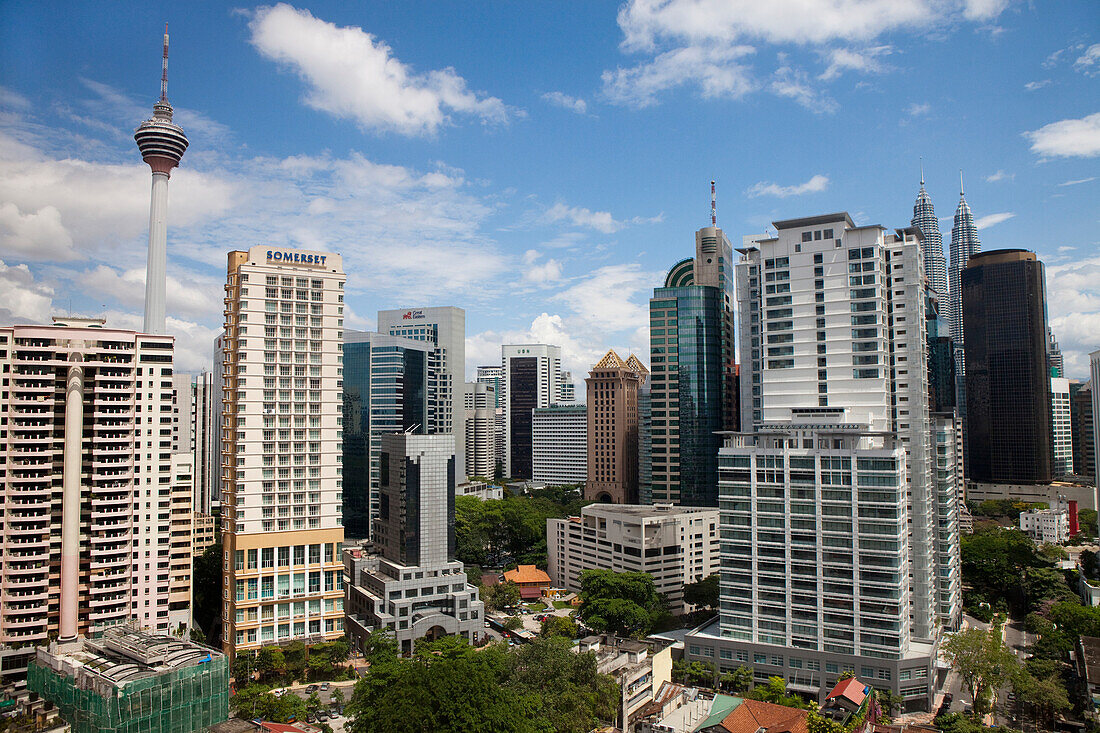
(541, 165)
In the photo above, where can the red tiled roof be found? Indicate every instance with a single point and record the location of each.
(527, 574)
(753, 715)
(851, 688)
(267, 727)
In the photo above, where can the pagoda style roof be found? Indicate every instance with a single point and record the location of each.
(610, 360)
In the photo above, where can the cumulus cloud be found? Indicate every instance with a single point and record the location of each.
(815, 185)
(1031, 86)
(1089, 62)
(714, 70)
(689, 42)
(1000, 175)
(1073, 309)
(560, 99)
(601, 221)
(795, 84)
(24, 300)
(991, 220)
(37, 235)
(351, 74)
(540, 272)
(918, 109)
(1067, 138)
(187, 293)
(864, 60)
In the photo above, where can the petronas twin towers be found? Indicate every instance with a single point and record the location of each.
(964, 243)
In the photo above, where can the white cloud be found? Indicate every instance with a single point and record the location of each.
(795, 84)
(815, 185)
(36, 235)
(24, 300)
(1073, 305)
(1089, 62)
(991, 220)
(540, 272)
(195, 296)
(700, 42)
(714, 70)
(916, 110)
(560, 99)
(605, 298)
(351, 74)
(601, 221)
(1078, 181)
(865, 60)
(1067, 138)
(1000, 175)
(1031, 86)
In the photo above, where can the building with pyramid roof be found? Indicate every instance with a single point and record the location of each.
(612, 395)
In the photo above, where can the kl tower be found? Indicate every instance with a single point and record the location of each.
(162, 144)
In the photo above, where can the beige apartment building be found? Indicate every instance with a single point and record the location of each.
(612, 395)
(281, 448)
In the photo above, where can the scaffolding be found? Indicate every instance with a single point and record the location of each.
(162, 699)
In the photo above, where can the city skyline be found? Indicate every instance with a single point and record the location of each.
(418, 190)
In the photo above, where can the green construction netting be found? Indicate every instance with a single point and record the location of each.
(178, 701)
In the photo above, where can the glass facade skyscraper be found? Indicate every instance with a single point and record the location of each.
(1008, 399)
(385, 391)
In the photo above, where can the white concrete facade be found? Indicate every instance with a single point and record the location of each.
(281, 450)
(1061, 424)
(481, 429)
(206, 413)
(675, 545)
(559, 445)
(1050, 526)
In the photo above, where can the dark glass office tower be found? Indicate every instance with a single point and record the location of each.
(385, 391)
(523, 397)
(1008, 398)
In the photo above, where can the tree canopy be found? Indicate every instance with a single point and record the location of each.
(495, 533)
(703, 593)
(623, 603)
(995, 564)
(539, 688)
(983, 662)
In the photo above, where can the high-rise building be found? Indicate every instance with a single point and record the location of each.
(162, 144)
(964, 245)
(567, 391)
(413, 588)
(385, 391)
(1061, 426)
(559, 444)
(444, 329)
(281, 448)
(481, 429)
(612, 394)
(1008, 402)
(181, 532)
(947, 479)
(1084, 450)
(87, 483)
(635, 538)
(924, 218)
(645, 442)
(531, 377)
(182, 413)
(1094, 380)
(693, 377)
(494, 376)
(206, 414)
(218, 399)
(841, 430)
(1054, 356)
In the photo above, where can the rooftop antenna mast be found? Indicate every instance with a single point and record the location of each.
(713, 207)
(164, 68)
(922, 170)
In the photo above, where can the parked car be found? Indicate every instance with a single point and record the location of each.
(324, 686)
(311, 689)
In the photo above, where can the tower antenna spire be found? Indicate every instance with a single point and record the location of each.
(164, 69)
(713, 206)
(922, 170)
(961, 191)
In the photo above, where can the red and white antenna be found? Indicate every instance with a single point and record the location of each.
(164, 69)
(713, 199)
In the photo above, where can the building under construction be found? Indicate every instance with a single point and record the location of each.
(128, 681)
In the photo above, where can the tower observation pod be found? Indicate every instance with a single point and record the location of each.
(162, 144)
